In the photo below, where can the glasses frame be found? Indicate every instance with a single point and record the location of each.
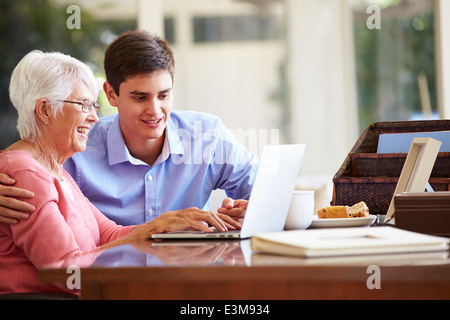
(86, 105)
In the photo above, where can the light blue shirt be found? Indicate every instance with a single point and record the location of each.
(199, 155)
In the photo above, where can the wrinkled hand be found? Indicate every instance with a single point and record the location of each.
(236, 209)
(187, 219)
(11, 209)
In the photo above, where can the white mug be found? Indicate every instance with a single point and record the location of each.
(301, 211)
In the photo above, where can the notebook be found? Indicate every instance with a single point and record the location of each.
(270, 197)
(347, 242)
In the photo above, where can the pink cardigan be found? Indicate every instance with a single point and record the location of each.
(64, 225)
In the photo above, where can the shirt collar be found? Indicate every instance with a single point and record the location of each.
(119, 153)
(173, 141)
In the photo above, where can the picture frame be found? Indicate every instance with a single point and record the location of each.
(416, 171)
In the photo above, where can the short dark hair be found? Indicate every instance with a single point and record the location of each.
(134, 53)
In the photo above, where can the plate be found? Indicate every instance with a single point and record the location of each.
(343, 222)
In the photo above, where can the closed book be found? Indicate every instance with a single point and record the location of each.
(346, 241)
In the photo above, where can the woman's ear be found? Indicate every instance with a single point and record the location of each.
(43, 110)
(110, 93)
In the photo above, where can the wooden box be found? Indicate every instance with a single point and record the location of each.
(427, 212)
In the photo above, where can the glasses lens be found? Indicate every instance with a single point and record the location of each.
(87, 105)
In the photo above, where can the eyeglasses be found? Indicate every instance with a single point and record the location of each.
(86, 105)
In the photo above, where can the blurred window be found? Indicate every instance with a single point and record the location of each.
(169, 30)
(396, 64)
(236, 28)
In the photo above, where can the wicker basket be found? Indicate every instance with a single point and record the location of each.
(371, 177)
(391, 164)
(375, 192)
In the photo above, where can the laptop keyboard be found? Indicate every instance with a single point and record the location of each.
(228, 232)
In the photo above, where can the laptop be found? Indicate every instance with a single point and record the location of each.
(270, 198)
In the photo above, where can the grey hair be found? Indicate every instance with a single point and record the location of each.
(45, 75)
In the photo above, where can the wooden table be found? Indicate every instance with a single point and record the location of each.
(228, 270)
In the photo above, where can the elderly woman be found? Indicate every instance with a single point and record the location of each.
(55, 96)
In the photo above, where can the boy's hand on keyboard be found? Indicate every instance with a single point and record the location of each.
(236, 209)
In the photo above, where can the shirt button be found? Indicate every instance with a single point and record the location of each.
(87, 224)
(150, 211)
(150, 178)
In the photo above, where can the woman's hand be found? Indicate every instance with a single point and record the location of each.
(187, 219)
